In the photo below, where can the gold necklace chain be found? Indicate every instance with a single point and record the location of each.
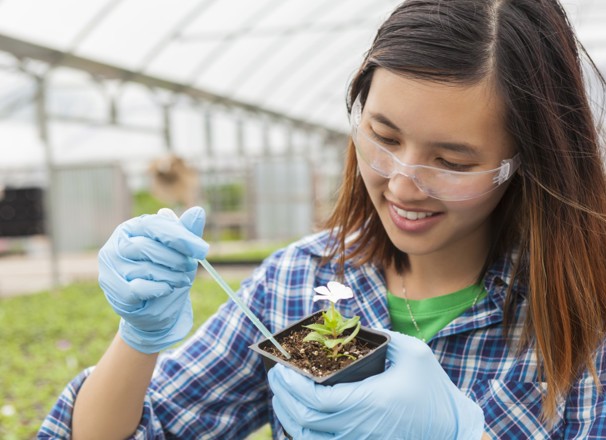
(412, 316)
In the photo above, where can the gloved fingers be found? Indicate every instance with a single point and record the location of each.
(326, 399)
(415, 365)
(127, 296)
(129, 289)
(402, 346)
(132, 270)
(304, 417)
(169, 232)
(152, 338)
(287, 422)
(285, 381)
(122, 294)
(288, 384)
(144, 290)
(160, 313)
(145, 249)
(194, 220)
(154, 272)
(411, 358)
(294, 429)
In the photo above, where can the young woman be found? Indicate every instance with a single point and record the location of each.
(471, 222)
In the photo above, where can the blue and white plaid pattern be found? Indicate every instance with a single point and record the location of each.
(214, 387)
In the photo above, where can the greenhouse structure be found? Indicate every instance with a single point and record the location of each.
(237, 106)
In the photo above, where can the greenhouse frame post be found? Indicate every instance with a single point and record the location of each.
(42, 122)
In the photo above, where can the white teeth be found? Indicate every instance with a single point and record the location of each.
(413, 215)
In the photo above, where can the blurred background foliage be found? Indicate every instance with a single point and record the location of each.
(49, 337)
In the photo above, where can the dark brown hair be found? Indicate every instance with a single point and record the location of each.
(554, 209)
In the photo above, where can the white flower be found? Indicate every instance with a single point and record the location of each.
(333, 292)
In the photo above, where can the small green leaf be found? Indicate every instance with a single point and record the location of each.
(319, 328)
(332, 317)
(317, 337)
(350, 323)
(332, 343)
(331, 323)
(353, 335)
(338, 355)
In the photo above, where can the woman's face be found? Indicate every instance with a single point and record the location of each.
(452, 127)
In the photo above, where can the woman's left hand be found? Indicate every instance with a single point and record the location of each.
(413, 398)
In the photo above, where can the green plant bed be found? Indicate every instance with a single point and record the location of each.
(48, 338)
(145, 203)
(249, 254)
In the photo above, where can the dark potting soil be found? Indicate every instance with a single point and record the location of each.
(312, 357)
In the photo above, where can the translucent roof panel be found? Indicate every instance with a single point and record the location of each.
(130, 30)
(289, 56)
(52, 23)
(293, 57)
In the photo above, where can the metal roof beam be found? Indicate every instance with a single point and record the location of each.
(26, 50)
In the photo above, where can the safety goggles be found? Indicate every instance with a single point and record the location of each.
(439, 183)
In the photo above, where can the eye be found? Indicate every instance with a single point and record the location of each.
(383, 140)
(453, 166)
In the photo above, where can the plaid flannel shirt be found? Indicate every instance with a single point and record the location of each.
(214, 387)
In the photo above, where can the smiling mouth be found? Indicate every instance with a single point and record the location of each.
(412, 215)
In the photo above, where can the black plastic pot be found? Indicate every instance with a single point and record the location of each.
(369, 365)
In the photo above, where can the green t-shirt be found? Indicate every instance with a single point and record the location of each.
(431, 314)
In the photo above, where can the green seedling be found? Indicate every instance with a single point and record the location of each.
(330, 332)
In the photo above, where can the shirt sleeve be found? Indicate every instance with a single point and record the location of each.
(212, 386)
(58, 422)
(585, 413)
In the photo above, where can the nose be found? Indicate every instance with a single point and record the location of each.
(404, 187)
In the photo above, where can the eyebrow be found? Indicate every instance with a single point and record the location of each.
(381, 119)
(457, 147)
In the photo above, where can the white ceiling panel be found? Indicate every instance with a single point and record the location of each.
(294, 57)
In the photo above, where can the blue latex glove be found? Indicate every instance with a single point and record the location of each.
(146, 270)
(413, 399)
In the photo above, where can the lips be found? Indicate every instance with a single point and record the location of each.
(414, 221)
(412, 215)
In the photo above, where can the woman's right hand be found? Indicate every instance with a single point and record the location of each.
(146, 270)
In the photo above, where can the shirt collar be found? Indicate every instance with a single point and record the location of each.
(369, 280)
(498, 279)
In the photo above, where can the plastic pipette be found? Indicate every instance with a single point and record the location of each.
(211, 270)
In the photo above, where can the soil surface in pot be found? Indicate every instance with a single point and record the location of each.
(312, 357)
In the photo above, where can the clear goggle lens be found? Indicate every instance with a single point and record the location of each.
(438, 183)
